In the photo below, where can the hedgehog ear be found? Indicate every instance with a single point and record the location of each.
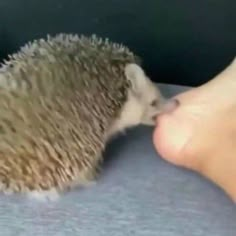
(136, 76)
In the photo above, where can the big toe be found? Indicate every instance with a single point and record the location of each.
(170, 137)
(175, 130)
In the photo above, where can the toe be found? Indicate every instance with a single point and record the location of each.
(170, 137)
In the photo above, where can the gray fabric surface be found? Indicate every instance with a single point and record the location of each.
(137, 194)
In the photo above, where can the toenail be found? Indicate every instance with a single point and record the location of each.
(170, 105)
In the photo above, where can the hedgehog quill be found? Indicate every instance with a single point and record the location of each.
(61, 99)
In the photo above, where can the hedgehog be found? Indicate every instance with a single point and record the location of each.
(62, 98)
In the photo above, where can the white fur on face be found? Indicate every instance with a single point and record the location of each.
(144, 101)
(147, 95)
(130, 116)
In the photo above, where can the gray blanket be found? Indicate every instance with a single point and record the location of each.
(137, 194)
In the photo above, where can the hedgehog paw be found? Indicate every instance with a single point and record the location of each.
(43, 196)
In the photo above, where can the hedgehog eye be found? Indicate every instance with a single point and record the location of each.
(154, 103)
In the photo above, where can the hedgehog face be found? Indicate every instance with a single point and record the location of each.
(143, 104)
(145, 99)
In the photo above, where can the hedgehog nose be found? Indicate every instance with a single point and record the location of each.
(154, 118)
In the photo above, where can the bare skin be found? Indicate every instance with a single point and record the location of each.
(200, 132)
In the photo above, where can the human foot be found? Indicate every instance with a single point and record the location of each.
(200, 133)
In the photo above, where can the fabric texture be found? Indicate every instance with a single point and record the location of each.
(137, 194)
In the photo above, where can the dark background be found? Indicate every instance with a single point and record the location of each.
(181, 41)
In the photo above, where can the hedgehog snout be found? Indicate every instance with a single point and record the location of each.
(167, 106)
(152, 110)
